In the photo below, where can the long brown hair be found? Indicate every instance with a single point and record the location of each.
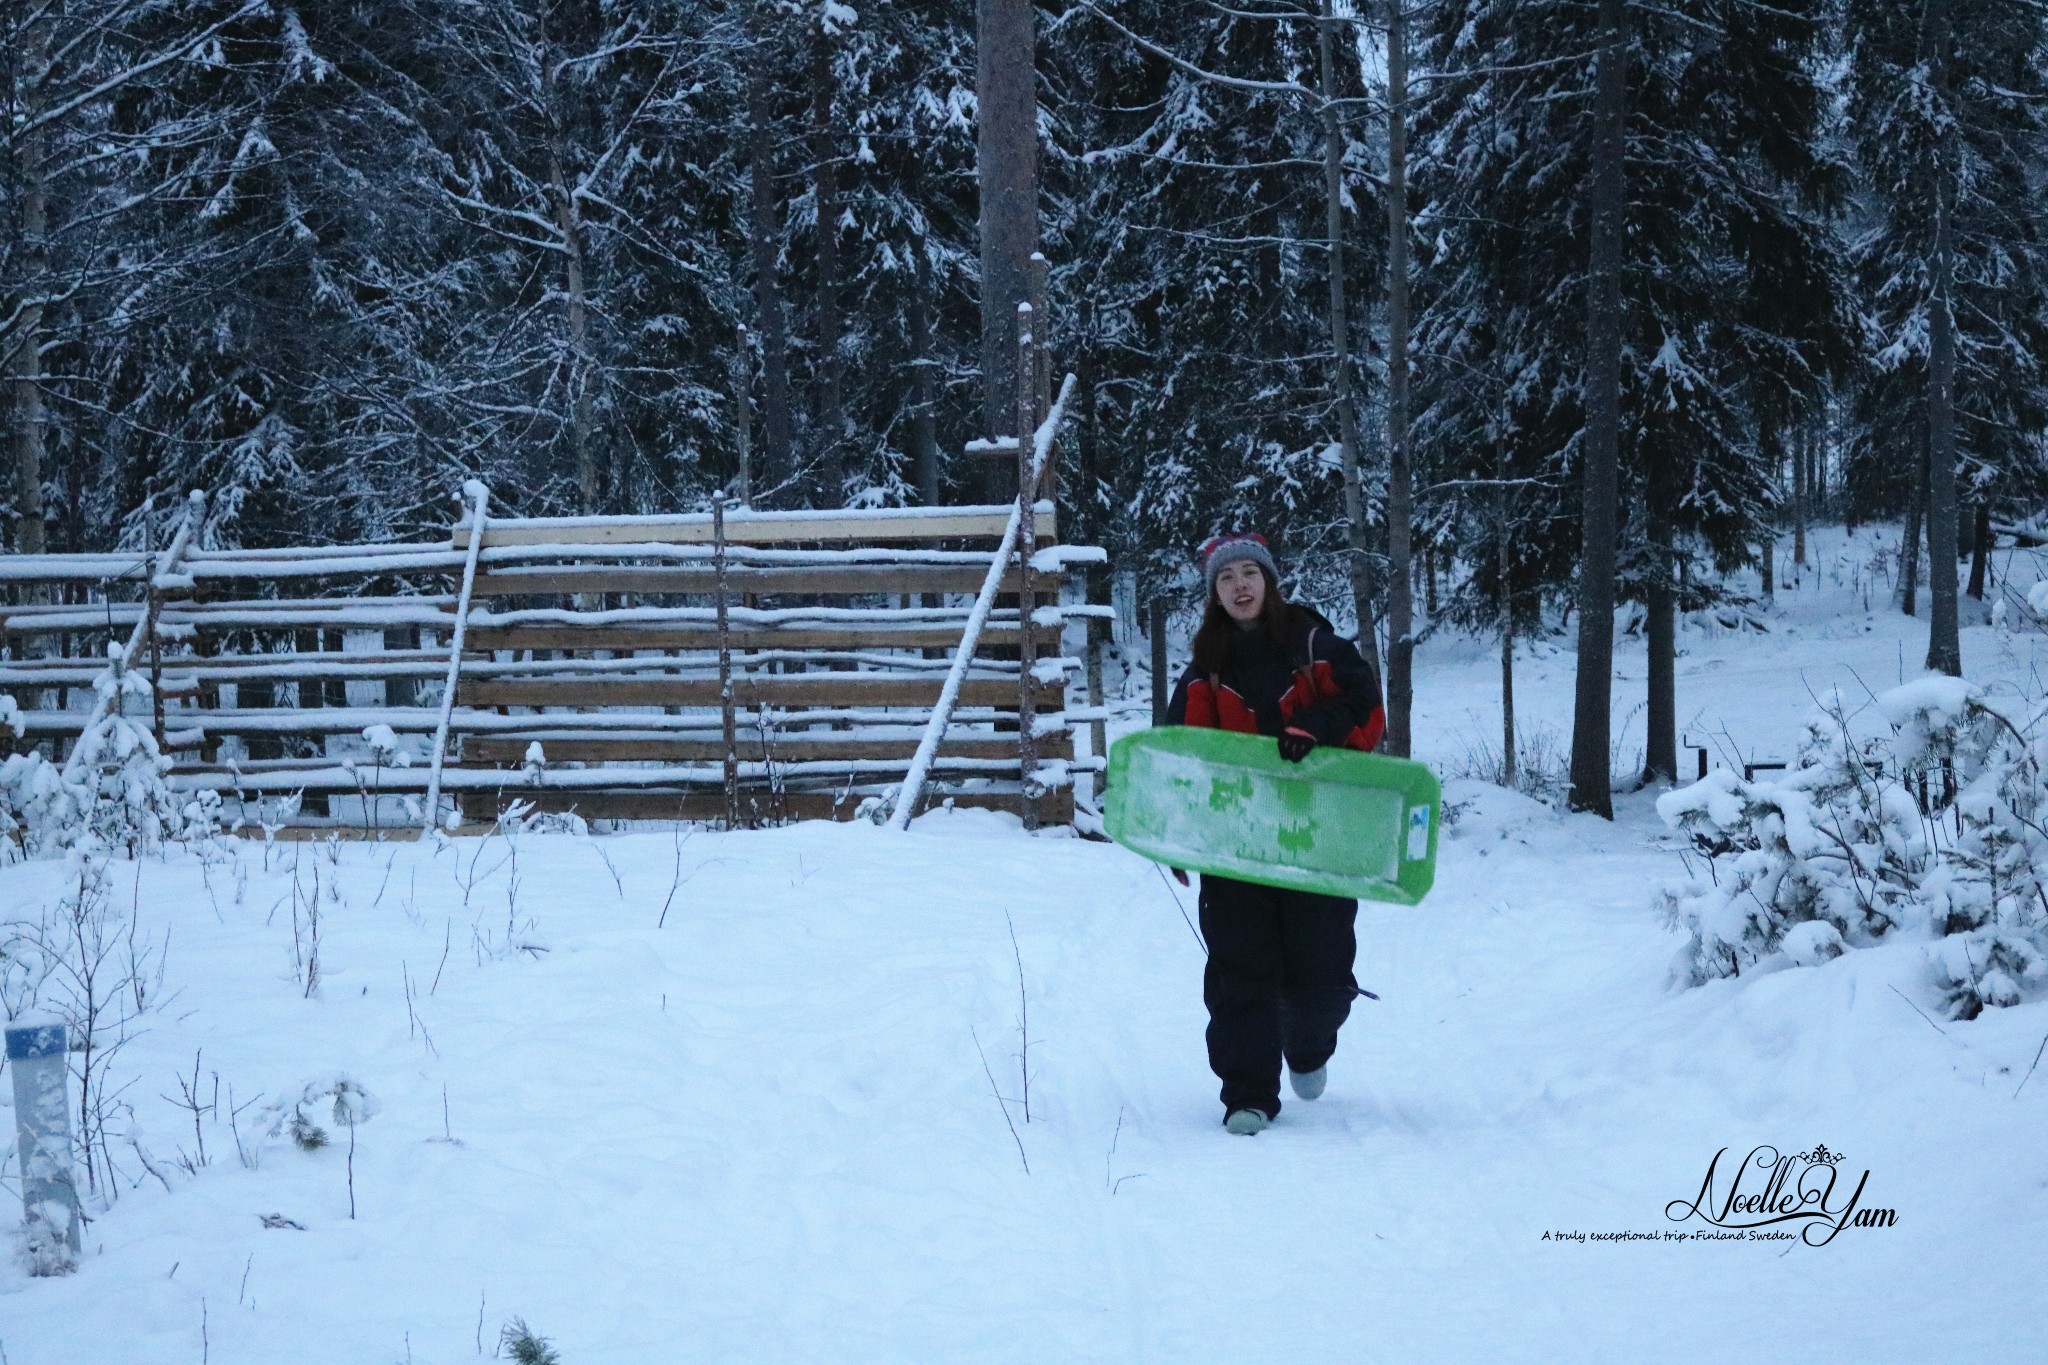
(1277, 617)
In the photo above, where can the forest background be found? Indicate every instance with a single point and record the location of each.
(1489, 313)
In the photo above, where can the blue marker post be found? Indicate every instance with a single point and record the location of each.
(37, 1053)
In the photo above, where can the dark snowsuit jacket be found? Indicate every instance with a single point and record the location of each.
(1317, 681)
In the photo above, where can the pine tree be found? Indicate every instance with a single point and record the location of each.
(1729, 290)
(1188, 228)
(1946, 109)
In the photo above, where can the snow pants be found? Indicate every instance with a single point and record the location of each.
(1278, 984)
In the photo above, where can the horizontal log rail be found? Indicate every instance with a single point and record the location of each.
(188, 674)
(187, 727)
(840, 803)
(745, 527)
(799, 689)
(393, 780)
(854, 580)
(797, 748)
(91, 570)
(845, 636)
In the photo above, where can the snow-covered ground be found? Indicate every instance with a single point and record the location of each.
(735, 1096)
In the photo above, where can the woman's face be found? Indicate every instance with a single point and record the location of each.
(1241, 588)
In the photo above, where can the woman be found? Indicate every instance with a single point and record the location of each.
(1278, 984)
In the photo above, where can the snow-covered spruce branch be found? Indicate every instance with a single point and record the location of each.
(1292, 89)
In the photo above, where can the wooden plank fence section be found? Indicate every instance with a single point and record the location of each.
(595, 638)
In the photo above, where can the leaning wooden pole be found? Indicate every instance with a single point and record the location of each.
(479, 498)
(927, 748)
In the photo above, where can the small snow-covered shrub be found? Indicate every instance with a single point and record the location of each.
(386, 748)
(112, 793)
(339, 1100)
(1542, 764)
(1937, 834)
(524, 1346)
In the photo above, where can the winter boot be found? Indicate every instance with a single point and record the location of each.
(1245, 1122)
(1309, 1084)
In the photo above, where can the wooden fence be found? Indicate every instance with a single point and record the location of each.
(740, 665)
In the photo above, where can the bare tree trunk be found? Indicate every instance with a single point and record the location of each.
(576, 303)
(1400, 480)
(1006, 91)
(1980, 548)
(1909, 549)
(743, 419)
(924, 430)
(1340, 342)
(1944, 642)
(1817, 471)
(1802, 457)
(22, 343)
(831, 402)
(1506, 605)
(1088, 435)
(761, 227)
(1660, 759)
(1591, 719)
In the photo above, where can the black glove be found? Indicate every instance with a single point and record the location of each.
(1295, 744)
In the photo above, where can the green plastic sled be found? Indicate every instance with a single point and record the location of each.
(1340, 823)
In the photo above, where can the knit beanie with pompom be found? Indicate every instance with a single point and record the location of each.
(1235, 549)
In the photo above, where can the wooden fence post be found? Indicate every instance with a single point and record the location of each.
(725, 707)
(1027, 581)
(1098, 732)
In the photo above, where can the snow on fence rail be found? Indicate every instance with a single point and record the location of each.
(594, 639)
